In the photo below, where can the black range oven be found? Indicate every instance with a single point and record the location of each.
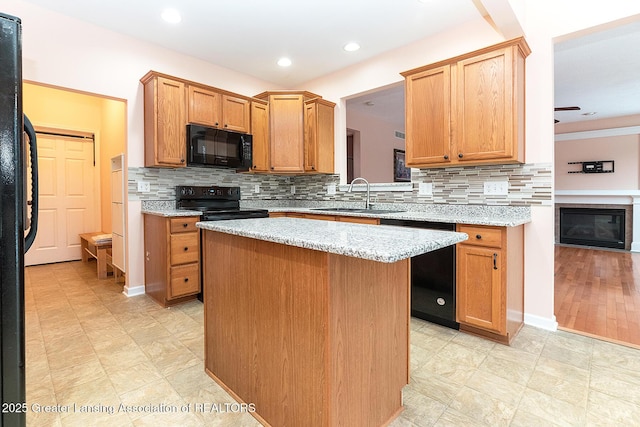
(214, 204)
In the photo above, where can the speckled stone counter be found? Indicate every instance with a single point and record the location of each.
(502, 216)
(373, 242)
(167, 213)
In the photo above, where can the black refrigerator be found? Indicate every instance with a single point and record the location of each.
(19, 208)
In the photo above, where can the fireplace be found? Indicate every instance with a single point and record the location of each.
(593, 227)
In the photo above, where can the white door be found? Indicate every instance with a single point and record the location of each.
(66, 198)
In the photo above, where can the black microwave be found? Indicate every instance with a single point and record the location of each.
(218, 148)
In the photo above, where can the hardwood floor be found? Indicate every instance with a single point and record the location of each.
(597, 292)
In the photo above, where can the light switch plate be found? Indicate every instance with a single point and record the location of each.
(425, 189)
(331, 189)
(144, 187)
(293, 189)
(256, 189)
(496, 188)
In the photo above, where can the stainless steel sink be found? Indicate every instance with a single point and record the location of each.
(357, 210)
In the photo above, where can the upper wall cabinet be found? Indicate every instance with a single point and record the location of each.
(468, 110)
(300, 132)
(164, 121)
(213, 108)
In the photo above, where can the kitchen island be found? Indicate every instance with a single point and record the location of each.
(309, 320)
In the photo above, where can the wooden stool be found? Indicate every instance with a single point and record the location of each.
(98, 250)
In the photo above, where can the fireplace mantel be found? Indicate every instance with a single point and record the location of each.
(610, 198)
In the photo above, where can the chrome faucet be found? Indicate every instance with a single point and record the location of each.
(368, 205)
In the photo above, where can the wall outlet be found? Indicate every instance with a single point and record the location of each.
(496, 188)
(256, 189)
(293, 189)
(331, 189)
(144, 187)
(425, 189)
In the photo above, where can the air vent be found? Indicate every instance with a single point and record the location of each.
(399, 135)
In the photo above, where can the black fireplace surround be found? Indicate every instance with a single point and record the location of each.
(592, 227)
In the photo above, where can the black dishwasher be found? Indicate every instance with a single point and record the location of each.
(433, 278)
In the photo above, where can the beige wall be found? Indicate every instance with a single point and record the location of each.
(72, 111)
(377, 141)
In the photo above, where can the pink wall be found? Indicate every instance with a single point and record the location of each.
(377, 141)
(624, 150)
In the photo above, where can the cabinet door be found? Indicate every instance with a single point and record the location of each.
(287, 133)
(485, 110)
(480, 295)
(310, 136)
(260, 132)
(428, 117)
(171, 145)
(204, 107)
(318, 136)
(235, 114)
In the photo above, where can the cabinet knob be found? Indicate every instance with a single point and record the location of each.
(226, 125)
(313, 168)
(216, 124)
(446, 157)
(185, 225)
(478, 236)
(186, 279)
(460, 155)
(186, 248)
(271, 167)
(181, 160)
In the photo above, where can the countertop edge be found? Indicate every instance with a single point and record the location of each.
(388, 254)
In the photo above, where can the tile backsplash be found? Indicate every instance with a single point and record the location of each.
(529, 184)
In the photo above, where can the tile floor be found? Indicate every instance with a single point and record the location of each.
(90, 346)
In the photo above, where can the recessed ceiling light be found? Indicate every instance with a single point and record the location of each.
(351, 47)
(172, 16)
(284, 62)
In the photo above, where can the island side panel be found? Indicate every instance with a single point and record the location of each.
(369, 335)
(266, 311)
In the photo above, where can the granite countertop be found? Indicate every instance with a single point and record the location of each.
(170, 212)
(453, 214)
(503, 216)
(373, 242)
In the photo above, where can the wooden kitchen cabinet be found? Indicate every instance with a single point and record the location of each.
(318, 136)
(172, 258)
(209, 107)
(164, 121)
(300, 139)
(260, 131)
(490, 281)
(327, 217)
(468, 110)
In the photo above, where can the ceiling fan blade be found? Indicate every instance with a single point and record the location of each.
(566, 108)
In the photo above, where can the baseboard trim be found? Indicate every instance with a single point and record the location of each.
(549, 324)
(132, 291)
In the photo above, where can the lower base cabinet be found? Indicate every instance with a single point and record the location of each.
(172, 258)
(490, 281)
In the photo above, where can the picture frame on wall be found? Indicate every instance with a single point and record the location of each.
(401, 173)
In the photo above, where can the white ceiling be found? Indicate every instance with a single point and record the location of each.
(249, 36)
(599, 72)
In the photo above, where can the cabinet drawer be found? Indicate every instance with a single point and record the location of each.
(482, 236)
(185, 248)
(183, 225)
(185, 280)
